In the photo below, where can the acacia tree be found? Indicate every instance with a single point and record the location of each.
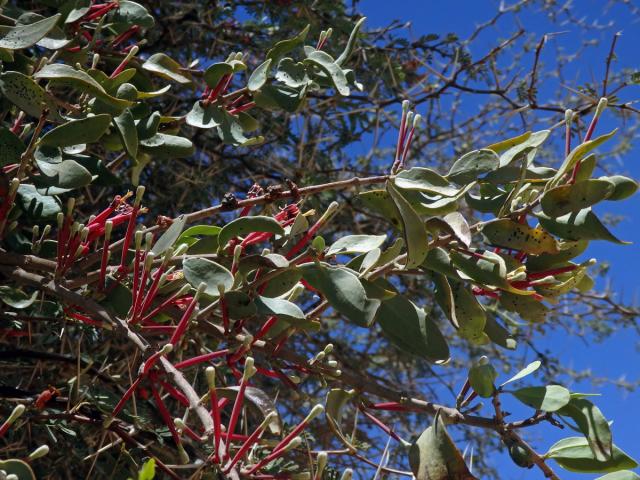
(299, 327)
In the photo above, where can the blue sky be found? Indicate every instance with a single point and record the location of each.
(618, 357)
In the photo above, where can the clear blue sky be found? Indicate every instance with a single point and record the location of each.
(619, 356)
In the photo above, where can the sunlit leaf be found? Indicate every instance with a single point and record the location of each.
(434, 456)
(413, 228)
(574, 454)
(548, 399)
(198, 270)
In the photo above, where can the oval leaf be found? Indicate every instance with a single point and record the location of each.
(548, 399)
(198, 270)
(244, 225)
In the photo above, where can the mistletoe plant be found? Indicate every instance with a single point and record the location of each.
(206, 309)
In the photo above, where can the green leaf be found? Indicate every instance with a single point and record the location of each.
(576, 155)
(574, 454)
(198, 270)
(425, 180)
(162, 145)
(433, 205)
(351, 43)
(572, 198)
(415, 233)
(593, 424)
(239, 305)
(528, 370)
(23, 36)
(198, 230)
(548, 399)
(499, 334)
(623, 187)
(327, 64)
(75, 132)
(292, 74)
(11, 147)
(438, 260)
(166, 67)
(126, 127)
(259, 76)
(203, 116)
(381, 202)
(243, 225)
(37, 206)
(621, 475)
(53, 40)
(169, 237)
(282, 283)
(434, 456)
(66, 174)
(486, 203)
(280, 97)
(461, 308)
(285, 46)
(534, 140)
(270, 261)
(67, 76)
(503, 145)
(281, 308)
(16, 467)
(472, 165)
(148, 469)
(26, 94)
(509, 234)
(231, 129)
(568, 251)
(582, 225)
(16, 298)
(112, 85)
(409, 329)
(528, 308)
(437, 226)
(214, 73)
(482, 377)
(355, 244)
(343, 290)
(131, 13)
(148, 126)
(489, 270)
(335, 402)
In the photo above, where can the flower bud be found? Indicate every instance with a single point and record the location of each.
(210, 372)
(321, 463)
(39, 452)
(315, 411)
(347, 475)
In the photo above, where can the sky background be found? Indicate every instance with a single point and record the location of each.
(618, 357)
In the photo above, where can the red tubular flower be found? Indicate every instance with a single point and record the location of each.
(166, 416)
(281, 447)
(215, 413)
(15, 414)
(380, 424)
(220, 87)
(242, 108)
(171, 390)
(485, 293)
(124, 36)
(130, 228)
(390, 406)
(98, 11)
(186, 316)
(249, 371)
(127, 395)
(207, 357)
(285, 217)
